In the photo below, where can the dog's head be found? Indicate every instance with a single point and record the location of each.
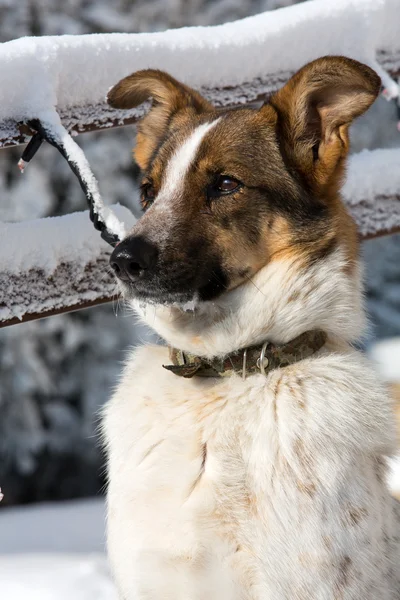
(239, 204)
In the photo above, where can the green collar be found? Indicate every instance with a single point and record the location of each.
(247, 361)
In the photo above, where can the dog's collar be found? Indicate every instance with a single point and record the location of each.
(247, 361)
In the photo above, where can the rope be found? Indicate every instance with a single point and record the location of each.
(44, 133)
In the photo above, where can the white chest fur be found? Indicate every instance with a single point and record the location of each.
(246, 490)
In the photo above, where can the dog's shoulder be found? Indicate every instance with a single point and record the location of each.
(336, 396)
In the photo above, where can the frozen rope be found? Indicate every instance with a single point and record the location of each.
(103, 219)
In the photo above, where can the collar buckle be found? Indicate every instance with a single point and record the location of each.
(244, 364)
(263, 362)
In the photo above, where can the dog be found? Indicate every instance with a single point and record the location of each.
(247, 458)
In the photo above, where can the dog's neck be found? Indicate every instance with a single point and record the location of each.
(281, 302)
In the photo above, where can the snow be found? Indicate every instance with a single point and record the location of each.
(62, 527)
(55, 551)
(53, 263)
(40, 75)
(372, 190)
(49, 577)
(386, 356)
(372, 173)
(46, 243)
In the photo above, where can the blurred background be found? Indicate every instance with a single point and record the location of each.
(55, 374)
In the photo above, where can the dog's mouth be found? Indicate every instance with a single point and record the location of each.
(185, 295)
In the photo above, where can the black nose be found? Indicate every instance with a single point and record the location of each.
(132, 257)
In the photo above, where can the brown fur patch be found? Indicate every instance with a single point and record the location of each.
(357, 514)
(170, 99)
(343, 577)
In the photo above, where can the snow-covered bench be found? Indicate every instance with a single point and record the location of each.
(59, 264)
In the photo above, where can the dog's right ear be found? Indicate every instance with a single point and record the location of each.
(169, 97)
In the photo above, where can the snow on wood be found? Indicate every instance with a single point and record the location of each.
(61, 263)
(232, 64)
(372, 191)
(53, 264)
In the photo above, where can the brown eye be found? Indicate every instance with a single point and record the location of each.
(222, 186)
(147, 194)
(226, 184)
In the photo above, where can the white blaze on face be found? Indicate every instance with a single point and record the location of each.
(180, 163)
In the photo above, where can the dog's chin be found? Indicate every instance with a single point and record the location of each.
(185, 301)
(187, 298)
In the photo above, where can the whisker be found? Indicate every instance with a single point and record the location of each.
(251, 281)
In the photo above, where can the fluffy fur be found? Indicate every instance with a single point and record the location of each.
(271, 488)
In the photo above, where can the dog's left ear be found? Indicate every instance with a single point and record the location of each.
(315, 109)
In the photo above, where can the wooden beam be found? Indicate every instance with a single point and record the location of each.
(379, 234)
(17, 134)
(54, 265)
(35, 316)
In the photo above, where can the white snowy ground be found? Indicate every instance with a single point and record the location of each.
(54, 552)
